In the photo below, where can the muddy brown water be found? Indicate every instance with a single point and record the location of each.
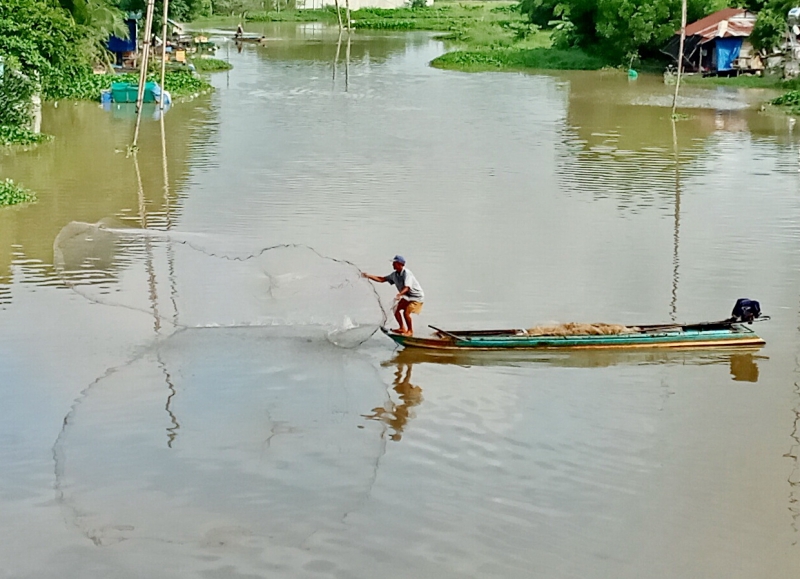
(128, 449)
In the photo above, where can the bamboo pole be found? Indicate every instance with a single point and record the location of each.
(680, 57)
(676, 226)
(148, 29)
(336, 58)
(164, 52)
(338, 13)
(347, 11)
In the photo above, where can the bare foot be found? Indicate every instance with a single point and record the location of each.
(401, 331)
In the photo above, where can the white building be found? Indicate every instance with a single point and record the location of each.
(356, 4)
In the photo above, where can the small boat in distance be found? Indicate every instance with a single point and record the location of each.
(730, 333)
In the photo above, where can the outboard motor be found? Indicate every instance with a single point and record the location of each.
(745, 310)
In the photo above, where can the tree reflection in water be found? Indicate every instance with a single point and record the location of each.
(394, 414)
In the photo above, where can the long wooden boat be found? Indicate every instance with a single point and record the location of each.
(723, 334)
(251, 38)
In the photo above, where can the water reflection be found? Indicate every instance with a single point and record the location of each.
(743, 363)
(396, 414)
(794, 475)
(744, 368)
(623, 132)
(84, 175)
(316, 42)
(269, 440)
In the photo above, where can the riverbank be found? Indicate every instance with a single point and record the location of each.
(483, 35)
(789, 102)
(87, 86)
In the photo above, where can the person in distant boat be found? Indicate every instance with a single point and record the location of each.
(239, 31)
(409, 293)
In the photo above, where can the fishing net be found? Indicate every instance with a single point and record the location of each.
(191, 281)
(578, 329)
(221, 436)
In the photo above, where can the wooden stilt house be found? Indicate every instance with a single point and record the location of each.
(718, 45)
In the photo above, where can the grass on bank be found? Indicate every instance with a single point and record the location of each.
(13, 194)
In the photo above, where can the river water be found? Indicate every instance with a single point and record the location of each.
(158, 419)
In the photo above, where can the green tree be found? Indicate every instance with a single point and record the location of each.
(615, 28)
(769, 32)
(542, 13)
(42, 37)
(179, 10)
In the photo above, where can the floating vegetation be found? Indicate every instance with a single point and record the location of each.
(211, 65)
(517, 59)
(790, 100)
(88, 86)
(13, 194)
(20, 136)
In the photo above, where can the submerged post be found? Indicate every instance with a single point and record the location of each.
(148, 28)
(680, 57)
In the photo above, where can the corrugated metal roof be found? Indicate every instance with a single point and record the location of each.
(726, 23)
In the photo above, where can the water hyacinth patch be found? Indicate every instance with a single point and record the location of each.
(13, 194)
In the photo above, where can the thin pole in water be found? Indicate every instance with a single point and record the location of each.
(680, 57)
(164, 52)
(676, 226)
(336, 58)
(347, 64)
(148, 28)
(338, 13)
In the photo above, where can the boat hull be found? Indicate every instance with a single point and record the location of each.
(736, 336)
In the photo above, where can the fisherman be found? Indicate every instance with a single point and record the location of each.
(239, 31)
(409, 295)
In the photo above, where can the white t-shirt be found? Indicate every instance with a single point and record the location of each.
(404, 278)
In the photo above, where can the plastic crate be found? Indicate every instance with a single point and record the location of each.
(125, 92)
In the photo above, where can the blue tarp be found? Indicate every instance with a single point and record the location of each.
(117, 45)
(727, 51)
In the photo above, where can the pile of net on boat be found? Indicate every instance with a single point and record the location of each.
(577, 329)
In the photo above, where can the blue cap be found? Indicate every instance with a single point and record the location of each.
(399, 259)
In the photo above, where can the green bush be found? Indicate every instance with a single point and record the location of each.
(16, 91)
(13, 194)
